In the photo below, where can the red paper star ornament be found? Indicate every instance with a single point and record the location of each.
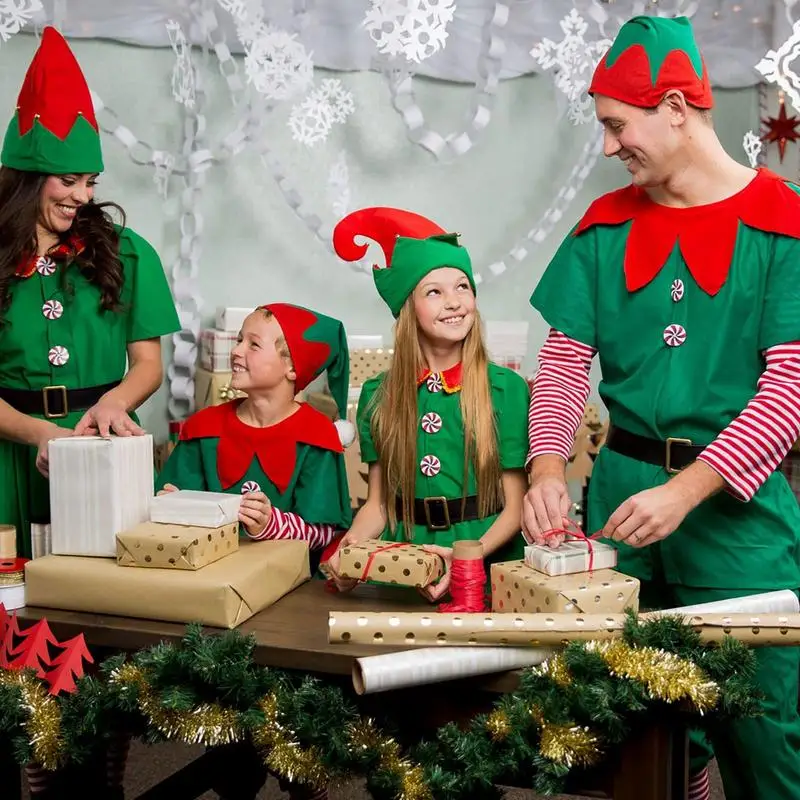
(782, 129)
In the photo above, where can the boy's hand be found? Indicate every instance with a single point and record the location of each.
(255, 512)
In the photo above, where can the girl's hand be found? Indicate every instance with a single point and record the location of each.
(168, 489)
(436, 591)
(332, 564)
(255, 512)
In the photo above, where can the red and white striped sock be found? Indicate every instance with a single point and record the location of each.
(699, 788)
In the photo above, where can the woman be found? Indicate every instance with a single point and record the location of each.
(79, 295)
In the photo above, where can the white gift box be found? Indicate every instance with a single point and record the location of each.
(570, 557)
(189, 507)
(98, 488)
(507, 342)
(230, 318)
(215, 349)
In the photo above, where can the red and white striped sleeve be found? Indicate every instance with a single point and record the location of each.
(753, 445)
(558, 398)
(287, 525)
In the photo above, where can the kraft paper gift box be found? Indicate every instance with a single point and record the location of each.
(390, 562)
(98, 488)
(367, 363)
(213, 388)
(153, 544)
(571, 557)
(518, 588)
(215, 349)
(230, 318)
(190, 507)
(223, 594)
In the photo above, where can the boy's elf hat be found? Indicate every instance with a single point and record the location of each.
(412, 244)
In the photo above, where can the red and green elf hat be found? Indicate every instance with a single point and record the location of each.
(412, 244)
(649, 57)
(54, 129)
(317, 343)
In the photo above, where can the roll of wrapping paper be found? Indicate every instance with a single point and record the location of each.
(41, 540)
(540, 630)
(8, 542)
(434, 665)
(12, 571)
(783, 601)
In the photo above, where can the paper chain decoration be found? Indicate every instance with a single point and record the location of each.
(32, 647)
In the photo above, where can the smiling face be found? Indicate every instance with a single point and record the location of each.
(60, 199)
(261, 360)
(444, 304)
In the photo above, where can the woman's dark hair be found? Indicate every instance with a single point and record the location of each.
(20, 194)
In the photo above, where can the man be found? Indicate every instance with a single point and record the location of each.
(686, 283)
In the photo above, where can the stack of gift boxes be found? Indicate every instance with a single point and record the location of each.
(118, 549)
(212, 380)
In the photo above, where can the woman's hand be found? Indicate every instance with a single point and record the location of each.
(255, 512)
(168, 489)
(42, 447)
(105, 416)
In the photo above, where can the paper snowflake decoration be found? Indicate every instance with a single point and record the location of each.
(414, 28)
(275, 62)
(183, 78)
(573, 60)
(238, 9)
(752, 146)
(15, 15)
(776, 66)
(311, 120)
(339, 186)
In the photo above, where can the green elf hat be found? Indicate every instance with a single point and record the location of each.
(649, 57)
(54, 129)
(317, 343)
(412, 244)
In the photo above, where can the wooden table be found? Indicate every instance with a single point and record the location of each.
(293, 634)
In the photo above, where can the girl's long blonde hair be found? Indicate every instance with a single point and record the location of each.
(395, 420)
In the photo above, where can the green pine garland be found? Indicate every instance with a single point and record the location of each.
(566, 715)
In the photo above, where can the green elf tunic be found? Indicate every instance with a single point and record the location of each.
(297, 463)
(56, 334)
(680, 304)
(440, 449)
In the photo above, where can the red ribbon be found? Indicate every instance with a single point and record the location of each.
(375, 552)
(575, 534)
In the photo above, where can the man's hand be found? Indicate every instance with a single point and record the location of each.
(547, 503)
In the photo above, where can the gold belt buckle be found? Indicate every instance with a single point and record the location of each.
(50, 414)
(668, 457)
(425, 504)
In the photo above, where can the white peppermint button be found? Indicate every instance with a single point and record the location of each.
(58, 355)
(431, 422)
(677, 290)
(45, 266)
(674, 335)
(434, 383)
(430, 466)
(52, 309)
(250, 486)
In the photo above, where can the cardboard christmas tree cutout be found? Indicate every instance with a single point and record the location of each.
(33, 652)
(68, 665)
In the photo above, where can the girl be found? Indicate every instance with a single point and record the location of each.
(444, 430)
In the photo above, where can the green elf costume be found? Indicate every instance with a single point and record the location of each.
(415, 246)
(297, 463)
(695, 315)
(59, 350)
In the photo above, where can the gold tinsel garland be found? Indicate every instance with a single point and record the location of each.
(44, 718)
(208, 724)
(556, 669)
(666, 676)
(365, 737)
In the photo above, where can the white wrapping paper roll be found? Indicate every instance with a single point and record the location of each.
(435, 665)
(781, 602)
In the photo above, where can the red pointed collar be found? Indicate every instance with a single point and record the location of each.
(451, 378)
(706, 234)
(72, 247)
(274, 446)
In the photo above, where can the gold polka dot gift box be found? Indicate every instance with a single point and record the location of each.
(166, 546)
(518, 588)
(390, 562)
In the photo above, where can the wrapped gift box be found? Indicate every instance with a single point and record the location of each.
(364, 342)
(213, 388)
(390, 562)
(230, 318)
(223, 594)
(215, 349)
(570, 557)
(367, 363)
(98, 488)
(152, 544)
(507, 342)
(518, 588)
(190, 507)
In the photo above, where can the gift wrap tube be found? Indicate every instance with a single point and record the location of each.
(783, 601)
(540, 630)
(432, 665)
